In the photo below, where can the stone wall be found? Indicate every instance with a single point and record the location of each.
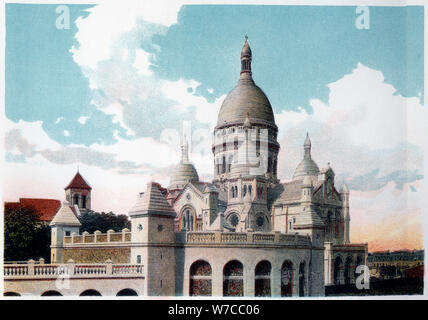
(97, 255)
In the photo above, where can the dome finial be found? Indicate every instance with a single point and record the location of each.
(307, 145)
(246, 60)
(184, 150)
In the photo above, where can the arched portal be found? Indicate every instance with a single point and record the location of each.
(200, 279)
(287, 279)
(302, 279)
(11, 294)
(90, 292)
(51, 293)
(336, 270)
(127, 293)
(262, 279)
(347, 271)
(233, 279)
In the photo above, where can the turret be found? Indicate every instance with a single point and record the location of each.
(152, 229)
(65, 223)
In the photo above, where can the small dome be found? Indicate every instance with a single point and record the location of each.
(345, 189)
(183, 174)
(306, 167)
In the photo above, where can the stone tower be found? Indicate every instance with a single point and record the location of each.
(65, 223)
(152, 228)
(78, 193)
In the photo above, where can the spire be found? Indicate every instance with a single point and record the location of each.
(78, 182)
(246, 60)
(307, 146)
(185, 151)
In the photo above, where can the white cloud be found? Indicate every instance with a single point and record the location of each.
(59, 119)
(83, 119)
(66, 133)
(364, 126)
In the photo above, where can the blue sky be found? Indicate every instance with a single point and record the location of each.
(110, 95)
(297, 52)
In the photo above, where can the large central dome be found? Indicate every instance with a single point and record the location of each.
(246, 99)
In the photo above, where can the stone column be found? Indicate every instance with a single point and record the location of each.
(71, 265)
(109, 232)
(96, 233)
(31, 267)
(249, 285)
(275, 281)
(109, 267)
(217, 280)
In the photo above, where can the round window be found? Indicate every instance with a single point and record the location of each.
(160, 227)
(234, 220)
(260, 221)
(140, 227)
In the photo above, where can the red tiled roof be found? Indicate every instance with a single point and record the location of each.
(45, 209)
(78, 182)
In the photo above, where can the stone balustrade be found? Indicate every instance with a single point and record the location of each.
(98, 237)
(72, 270)
(216, 237)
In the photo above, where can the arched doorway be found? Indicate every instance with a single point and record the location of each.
(11, 294)
(336, 270)
(51, 293)
(90, 292)
(233, 279)
(200, 279)
(302, 279)
(127, 293)
(262, 279)
(287, 279)
(347, 271)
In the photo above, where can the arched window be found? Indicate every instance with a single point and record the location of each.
(229, 165)
(223, 167)
(337, 270)
(76, 199)
(233, 279)
(90, 292)
(200, 279)
(302, 279)
(250, 189)
(11, 294)
(287, 279)
(83, 202)
(127, 293)
(347, 271)
(262, 279)
(51, 293)
(244, 190)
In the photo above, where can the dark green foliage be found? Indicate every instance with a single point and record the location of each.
(24, 237)
(92, 221)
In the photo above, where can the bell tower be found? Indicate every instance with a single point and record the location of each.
(78, 193)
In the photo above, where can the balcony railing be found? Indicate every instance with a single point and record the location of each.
(72, 270)
(216, 237)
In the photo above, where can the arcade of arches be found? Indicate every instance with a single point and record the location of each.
(200, 276)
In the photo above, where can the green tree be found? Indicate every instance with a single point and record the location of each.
(24, 237)
(92, 221)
